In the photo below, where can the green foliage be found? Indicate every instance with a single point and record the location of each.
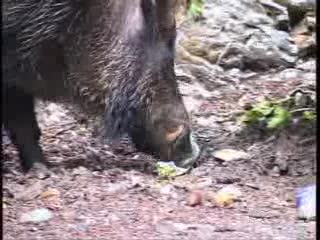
(280, 118)
(259, 112)
(196, 9)
(310, 115)
(277, 114)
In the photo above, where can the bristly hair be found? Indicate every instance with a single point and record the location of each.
(123, 107)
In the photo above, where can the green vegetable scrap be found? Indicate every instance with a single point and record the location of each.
(166, 170)
(196, 9)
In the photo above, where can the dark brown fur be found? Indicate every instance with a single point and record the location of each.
(113, 58)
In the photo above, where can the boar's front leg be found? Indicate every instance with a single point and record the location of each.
(20, 121)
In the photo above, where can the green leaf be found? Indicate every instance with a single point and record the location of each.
(265, 108)
(310, 115)
(258, 113)
(196, 8)
(279, 119)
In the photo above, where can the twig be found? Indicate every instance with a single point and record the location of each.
(302, 110)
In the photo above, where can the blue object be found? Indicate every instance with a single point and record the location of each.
(306, 202)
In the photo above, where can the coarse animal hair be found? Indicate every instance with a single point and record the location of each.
(112, 58)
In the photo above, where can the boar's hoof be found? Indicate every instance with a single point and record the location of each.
(39, 170)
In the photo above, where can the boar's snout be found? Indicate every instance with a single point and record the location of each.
(185, 150)
(167, 135)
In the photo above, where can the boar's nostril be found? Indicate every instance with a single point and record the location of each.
(173, 134)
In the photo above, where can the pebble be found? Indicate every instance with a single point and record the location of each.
(36, 216)
(230, 155)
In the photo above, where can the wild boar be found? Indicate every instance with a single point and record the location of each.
(113, 58)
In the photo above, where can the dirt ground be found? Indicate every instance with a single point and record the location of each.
(104, 192)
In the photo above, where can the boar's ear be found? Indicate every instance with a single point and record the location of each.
(166, 13)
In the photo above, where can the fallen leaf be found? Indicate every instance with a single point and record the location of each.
(50, 193)
(227, 195)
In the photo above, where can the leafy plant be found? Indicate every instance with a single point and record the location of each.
(271, 113)
(277, 114)
(280, 118)
(196, 9)
(310, 115)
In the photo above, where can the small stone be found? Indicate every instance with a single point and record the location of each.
(36, 216)
(195, 198)
(80, 171)
(82, 227)
(230, 155)
(290, 74)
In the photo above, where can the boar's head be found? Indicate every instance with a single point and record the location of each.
(130, 52)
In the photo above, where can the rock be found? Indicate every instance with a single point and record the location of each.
(304, 36)
(282, 40)
(308, 66)
(282, 22)
(241, 36)
(81, 227)
(36, 216)
(230, 155)
(290, 74)
(278, 12)
(256, 56)
(275, 7)
(297, 10)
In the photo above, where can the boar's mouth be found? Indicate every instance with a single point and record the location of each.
(187, 158)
